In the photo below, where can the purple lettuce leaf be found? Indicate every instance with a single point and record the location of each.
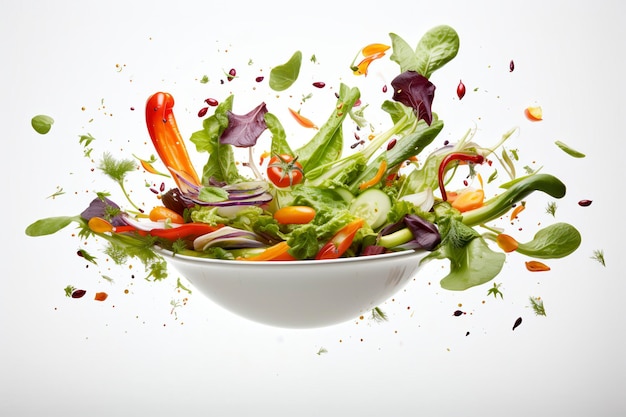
(414, 90)
(244, 130)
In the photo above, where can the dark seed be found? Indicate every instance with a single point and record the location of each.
(391, 144)
(584, 203)
(384, 88)
(460, 90)
(231, 74)
(154, 190)
(319, 84)
(203, 112)
(458, 313)
(162, 187)
(78, 293)
(511, 66)
(517, 323)
(259, 79)
(211, 102)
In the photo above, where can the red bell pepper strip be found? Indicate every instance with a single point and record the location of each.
(168, 141)
(455, 156)
(341, 241)
(186, 231)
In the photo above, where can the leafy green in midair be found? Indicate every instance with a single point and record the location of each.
(42, 123)
(555, 241)
(495, 290)
(568, 150)
(283, 76)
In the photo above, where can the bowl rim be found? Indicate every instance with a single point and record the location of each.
(294, 263)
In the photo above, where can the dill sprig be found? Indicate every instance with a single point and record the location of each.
(117, 170)
(537, 304)
(551, 208)
(378, 314)
(598, 255)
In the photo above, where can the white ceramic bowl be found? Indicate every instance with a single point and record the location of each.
(299, 294)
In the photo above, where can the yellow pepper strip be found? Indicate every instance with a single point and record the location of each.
(517, 210)
(374, 49)
(273, 253)
(506, 243)
(469, 200)
(361, 68)
(376, 179)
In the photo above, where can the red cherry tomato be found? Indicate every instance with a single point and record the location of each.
(294, 214)
(284, 171)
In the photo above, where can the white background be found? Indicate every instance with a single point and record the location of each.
(134, 355)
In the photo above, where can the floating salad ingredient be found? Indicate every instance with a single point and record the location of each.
(312, 202)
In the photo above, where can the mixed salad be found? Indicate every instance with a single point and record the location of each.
(314, 202)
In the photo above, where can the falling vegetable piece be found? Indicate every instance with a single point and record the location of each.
(568, 150)
(460, 90)
(511, 66)
(534, 114)
(168, 141)
(101, 296)
(374, 49)
(99, 225)
(363, 66)
(42, 123)
(536, 266)
(517, 210)
(303, 121)
(185, 231)
(517, 323)
(506, 242)
(584, 203)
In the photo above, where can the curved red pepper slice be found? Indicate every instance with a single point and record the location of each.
(455, 156)
(168, 141)
(186, 231)
(341, 241)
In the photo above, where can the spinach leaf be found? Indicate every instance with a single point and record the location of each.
(42, 123)
(50, 225)
(436, 48)
(472, 262)
(283, 76)
(555, 241)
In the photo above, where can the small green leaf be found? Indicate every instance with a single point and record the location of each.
(555, 241)
(283, 76)
(568, 150)
(42, 123)
(49, 225)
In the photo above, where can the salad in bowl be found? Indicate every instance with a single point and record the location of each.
(312, 216)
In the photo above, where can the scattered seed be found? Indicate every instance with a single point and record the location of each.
(203, 111)
(232, 74)
(584, 203)
(460, 90)
(78, 293)
(259, 79)
(391, 144)
(511, 66)
(211, 102)
(458, 313)
(384, 88)
(319, 84)
(517, 323)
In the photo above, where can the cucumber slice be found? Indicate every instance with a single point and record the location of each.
(346, 195)
(371, 205)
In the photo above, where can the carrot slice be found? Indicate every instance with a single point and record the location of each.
(469, 200)
(536, 266)
(507, 243)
